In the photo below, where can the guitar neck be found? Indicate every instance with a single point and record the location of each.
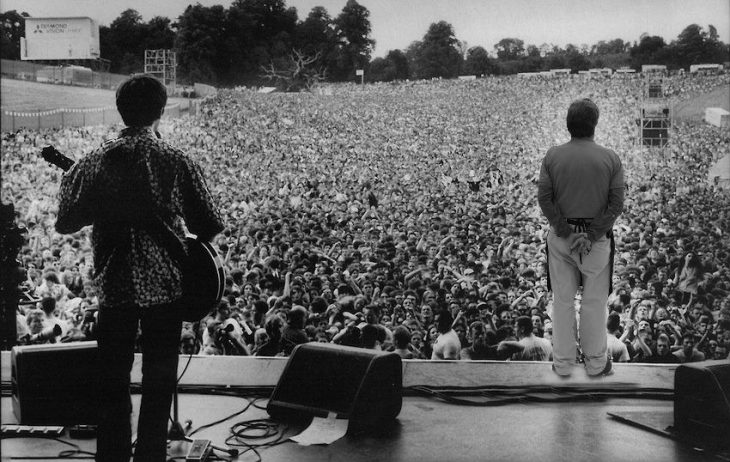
(53, 156)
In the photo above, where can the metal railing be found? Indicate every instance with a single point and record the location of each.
(23, 70)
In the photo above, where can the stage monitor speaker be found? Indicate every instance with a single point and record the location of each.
(702, 401)
(364, 386)
(55, 384)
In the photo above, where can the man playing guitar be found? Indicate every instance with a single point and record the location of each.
(136, 191)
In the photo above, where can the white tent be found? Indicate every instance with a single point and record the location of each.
(717, 116)
(720, 172)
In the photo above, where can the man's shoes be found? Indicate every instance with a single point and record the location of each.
(608, 370)
(562, 376)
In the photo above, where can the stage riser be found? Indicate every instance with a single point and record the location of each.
(243, 371)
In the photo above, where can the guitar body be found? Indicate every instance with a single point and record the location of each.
(204, 280)
(204, 277)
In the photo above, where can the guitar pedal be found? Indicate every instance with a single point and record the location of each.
(199, 451)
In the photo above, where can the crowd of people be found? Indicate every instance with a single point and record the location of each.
(403, 217)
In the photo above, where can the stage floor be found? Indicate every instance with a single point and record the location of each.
(428, 430)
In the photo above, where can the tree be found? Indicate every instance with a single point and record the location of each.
(614, 46)
(556, 61)
(123, 43)
(159, 34)
(398, 62)
(302, 72)
(13, 27)
(611, 54)
(509, 49)
(317, 34)
(546, 49)
(578, 62)
(690, 46)
(695, 46)
(355, 45)
(647, 50)
(393, 67)
(379, 71)
(201, 43)
(533, 51)
(478, 62)
(438, 54)
(259, 32)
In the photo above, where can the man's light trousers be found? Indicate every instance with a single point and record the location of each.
(566, 269)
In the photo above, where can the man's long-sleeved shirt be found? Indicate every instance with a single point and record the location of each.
(581, 179)
(135, 190)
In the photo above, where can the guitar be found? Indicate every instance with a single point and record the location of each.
(204, 275)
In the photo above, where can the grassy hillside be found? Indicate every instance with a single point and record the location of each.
(25, 96)
(693, 109)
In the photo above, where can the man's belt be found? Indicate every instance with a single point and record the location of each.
(580, 225)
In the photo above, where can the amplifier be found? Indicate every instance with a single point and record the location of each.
(55, 384)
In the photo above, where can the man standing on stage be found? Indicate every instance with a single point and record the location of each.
(581, 193)
(136, 190)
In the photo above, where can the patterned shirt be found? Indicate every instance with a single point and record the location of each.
(136, 190)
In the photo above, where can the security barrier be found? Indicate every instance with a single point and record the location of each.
(14, 120)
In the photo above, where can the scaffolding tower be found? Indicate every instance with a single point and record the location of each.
(654, 115)
(162, 64)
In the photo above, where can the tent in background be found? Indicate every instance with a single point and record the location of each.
(720, 172)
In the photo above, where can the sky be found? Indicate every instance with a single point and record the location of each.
(397, 23)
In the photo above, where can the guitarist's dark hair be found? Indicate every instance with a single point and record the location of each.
(141, 100)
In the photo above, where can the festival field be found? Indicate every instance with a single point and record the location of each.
(362, 194)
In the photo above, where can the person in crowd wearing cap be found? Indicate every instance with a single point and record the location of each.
(122, 189)
(581, 193)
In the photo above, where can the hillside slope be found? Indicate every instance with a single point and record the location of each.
(693, 109)
(26, 96)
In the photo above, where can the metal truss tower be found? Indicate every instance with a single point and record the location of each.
(162, 64)
(654, 114)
